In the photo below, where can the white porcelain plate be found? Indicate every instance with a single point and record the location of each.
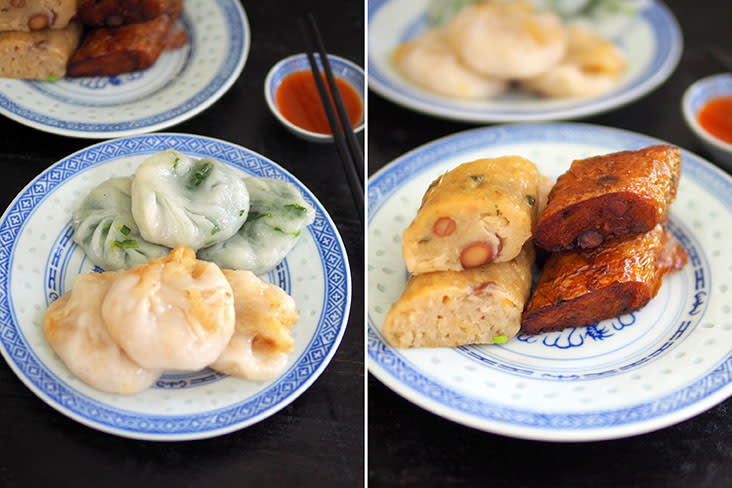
(633, 374)
(652, 45)
(182, 83)
(39, 262)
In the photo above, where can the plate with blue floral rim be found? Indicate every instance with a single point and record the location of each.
(182, 83)
(652, 44)
(633, 374)
(40, 262)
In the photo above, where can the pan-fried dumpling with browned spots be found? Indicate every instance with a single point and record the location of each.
(506, 40)
(75, 329)
(178, 200)
(591, 67)
(261, 342)
(429, 62)
(175, 312)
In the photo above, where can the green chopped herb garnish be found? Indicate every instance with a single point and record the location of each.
(531, 199)
(52, 78)
(106, 227)
(215, 229)
(297, 234)
(199, 176)
(241, 212)
(175, 164)
(501, 339)
(254, 215)
(296, 206)
(125, 230)
(280, 230)
(126, 244)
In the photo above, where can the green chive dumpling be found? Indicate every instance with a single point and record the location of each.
(277, 216)
(104, 228)
(178, 200)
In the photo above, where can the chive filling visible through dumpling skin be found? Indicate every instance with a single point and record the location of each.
(104, 228)
(278, 214)
(178, 200)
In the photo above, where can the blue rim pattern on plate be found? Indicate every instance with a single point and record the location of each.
(668, 39)
(40, 379)
(390, 366)
(238, 34)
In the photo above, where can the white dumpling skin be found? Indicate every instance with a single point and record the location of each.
(278, 215)
(178, 200)
(261, 342)
(174, 312)
(74, 328)
(105, 230)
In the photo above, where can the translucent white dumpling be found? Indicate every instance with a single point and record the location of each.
(506, 39)
(277, 216)
(591, 67)
(264, 316)
(174, 312)
(177, 200)
(104, 228)
(428, 61)
(74, 328)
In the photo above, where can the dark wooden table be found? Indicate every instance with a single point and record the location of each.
(409, 446)
(315, 441)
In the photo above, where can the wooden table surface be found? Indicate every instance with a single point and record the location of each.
(409, 446)
(315, 441)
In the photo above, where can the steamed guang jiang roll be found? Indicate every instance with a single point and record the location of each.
(477, 213)
(481, 305)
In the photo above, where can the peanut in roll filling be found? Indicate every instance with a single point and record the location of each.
(477, 213)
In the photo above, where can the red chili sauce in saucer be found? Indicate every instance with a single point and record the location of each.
(298, 101)
(716, 118)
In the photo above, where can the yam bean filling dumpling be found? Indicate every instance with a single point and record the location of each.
(177, 200)
(75, 330)
(261, 341)
(104, 228)
(174, 312)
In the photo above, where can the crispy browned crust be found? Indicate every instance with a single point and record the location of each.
(112, 13)
(584, 286)
(113, 50)
(610, 196)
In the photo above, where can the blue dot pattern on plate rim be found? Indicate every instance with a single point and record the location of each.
(388, 180)
(327, 334)
(667, 38)
(238, 38)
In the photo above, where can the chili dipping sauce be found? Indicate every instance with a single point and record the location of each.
(298, 101)
(716, 118)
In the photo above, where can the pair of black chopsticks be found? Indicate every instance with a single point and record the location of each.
(343, 135)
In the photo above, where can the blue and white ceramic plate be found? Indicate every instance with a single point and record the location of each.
(652, 46)
(633, 374)
(39, 262)
(182, 83)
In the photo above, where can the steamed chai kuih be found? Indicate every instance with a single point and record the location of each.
(621, 274)
(469, 251)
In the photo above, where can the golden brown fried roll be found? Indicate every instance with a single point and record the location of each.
(584, 286)
(482, 305)
(112, 13)
(610, 196)
(480, 212)
(110, 51)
